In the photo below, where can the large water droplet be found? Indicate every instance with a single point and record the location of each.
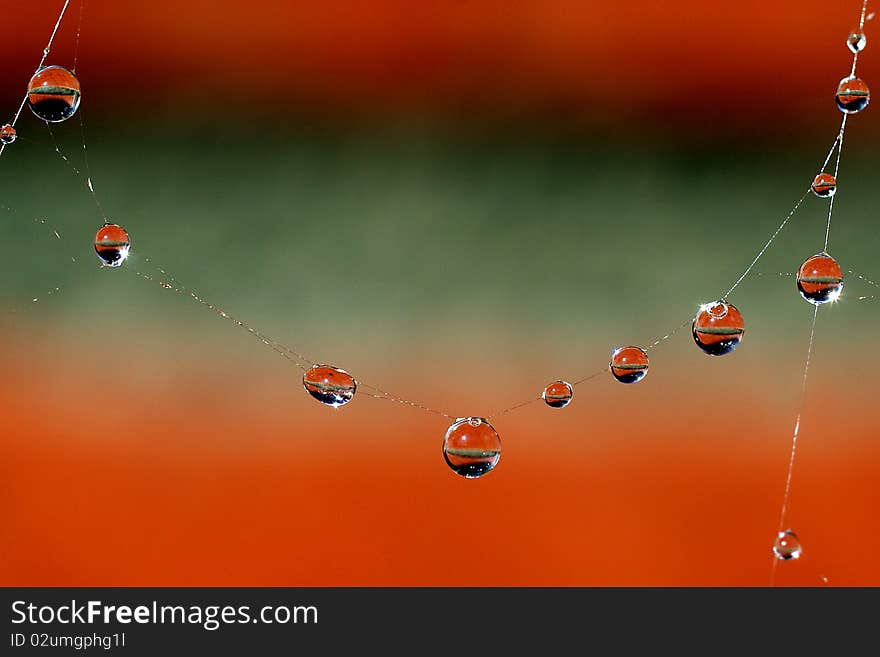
(718, 328)
(558, 394)
(824, 185)
(471, 447)
(112, 244)
(852, 95)
(629, 364)
(53, 94)
(820, 279)
(330, 385)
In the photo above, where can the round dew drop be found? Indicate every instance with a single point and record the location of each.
(53, 94)
(7, 134)
(856, 41)
(824, 185)
(629, 364)
(820, 279)
(558, 394)
(471, 447)
(852, 95)
(787, 546)
(112, 245)
(718, 328)
(330, 385)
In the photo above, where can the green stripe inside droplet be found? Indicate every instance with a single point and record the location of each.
(53, 91)
(720, 330)
(330, 387)
(821, 279)
(473, 453)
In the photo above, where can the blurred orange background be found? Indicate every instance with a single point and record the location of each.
(175, 451)
(228, 474)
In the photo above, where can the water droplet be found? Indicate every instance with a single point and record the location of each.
(824, 185)
(820, 279)
(471, 447)
(787, 546)
(330, 385)
(856, 41)
(53, 94)
(629, 364)
(718, 328)
(7, 134)
(112, 244)
(853, 95)
(558, 394)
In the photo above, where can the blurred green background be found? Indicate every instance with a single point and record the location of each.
(328, 237)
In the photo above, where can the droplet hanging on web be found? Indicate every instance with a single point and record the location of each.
(112, 245)
(629, 364)
(820, 279)
(330, 385)
(852, 95)
(824, 185)
(787, 546)
(7, 134)
(471, 447)
(718, 328)
(53, 94)
(558, 394)
(856, 41)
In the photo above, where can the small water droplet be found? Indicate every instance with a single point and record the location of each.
(717, 310)
(718, 328)
(471, 447)
(629, 364)
(787, 546)
(820, 279)
(824, 185)
(856, 41)
(329, 385)
(8, 134)
(558, 394)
